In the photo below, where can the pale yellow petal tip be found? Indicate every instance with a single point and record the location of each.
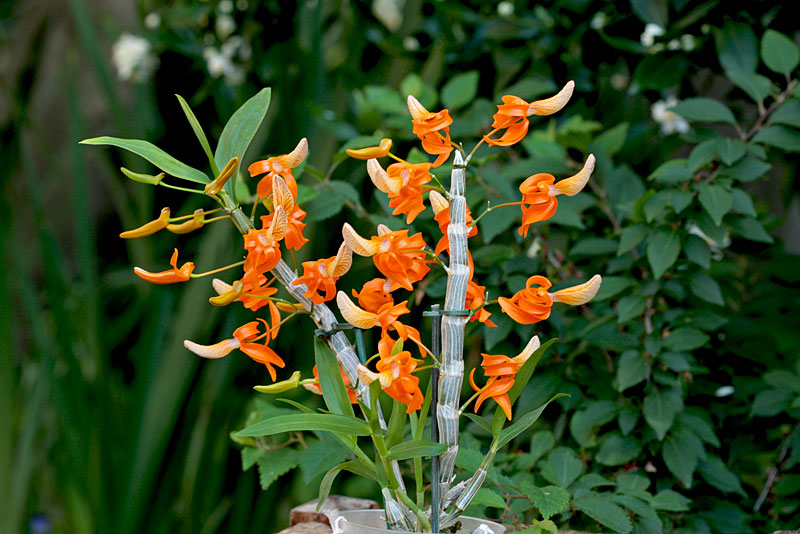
(581, 294)
(438, 202)
(553, 104)
(343, 261)
(353, 314)
(356, 243)
(416, 109)
(383, 229)
(220, 286)
(213, 352)
(574, 184)
(532, 346)
(277, 230)
(381, 180)
(279, 387)
(281, 194)
(296, 156)
(365, 376)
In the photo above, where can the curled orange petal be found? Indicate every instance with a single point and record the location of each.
(355, 315)
(359, 245)
(573, 185)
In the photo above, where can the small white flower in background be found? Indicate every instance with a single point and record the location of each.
(133, 59)
(618, 81)
(670, 121)
(220, 63)
(505, 9)
(152, 21)
(688, 42)
(674, 44)
(389, 12)
(241, 5)
(651, 31)
(225, 26)
(724, 391)
(716, 247)
(217, 63)
(411, 43)
(226, 6)
(599, 21)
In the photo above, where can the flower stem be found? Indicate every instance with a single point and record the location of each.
(231, 266)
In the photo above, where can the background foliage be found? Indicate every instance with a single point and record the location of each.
(683, 376)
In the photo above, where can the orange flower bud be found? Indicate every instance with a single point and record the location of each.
(225, 174)
(229, 296)
(171, 276)
(149, 228)
(380, 151)
(191, 225)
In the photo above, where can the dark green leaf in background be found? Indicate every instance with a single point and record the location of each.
(685, 339)
(663, 248)
(632, 368)
(655, 11)
(706, 288)
(737, 47)
(779, 53)
(779, 137)
(702, 109)
(549, 500)
(605, 512)
(460, 90)
(660, 409)
(756, 86)
(716, 200)
(564, 467)
(788, 113)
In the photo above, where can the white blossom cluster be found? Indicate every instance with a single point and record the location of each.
(686, 42)
(225, 61)
(133, 58)
(669, 121)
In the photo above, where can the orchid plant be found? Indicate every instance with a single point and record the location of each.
(343, 374)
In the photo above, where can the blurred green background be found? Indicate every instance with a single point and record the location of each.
(111, 425)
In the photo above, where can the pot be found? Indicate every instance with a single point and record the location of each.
(374, 522)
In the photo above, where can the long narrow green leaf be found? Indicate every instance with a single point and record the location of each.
(327, 481)
(297, 405)
(523, 423)
(198, 131)
(330, 380)
(240, 129)
(318, 421)
(154, 155)
(478, 420)
(397, 424)
(416, 448)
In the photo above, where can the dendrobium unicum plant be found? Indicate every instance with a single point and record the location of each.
(403, 361)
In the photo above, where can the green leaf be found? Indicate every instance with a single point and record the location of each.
(564, 467)
(525, 372)
(685, 339)
(747, 169)
(706, 288)
(632, 484)
(416, 448)
(629, 307)
(154, 155)
(319, 458)
(663, 248)
(730, 150)
(612, 286)
(698, 251)
(487, 497)
(716, 200)
(638, 507)
(397, 424)
(743, 203)
(414, 85)
(523, 423)
(275, 464)
(751, 229)
(612, 140)
(327, 481)
(756, 86)
(460, 90)
(654, 205)
(654, 11)
(680, 200)
(585, 422)
(330, 380)
(593, 246)
(616, 449)
(478, 420)
(632, 368)
(771, 402)
(250, 456)
(737, 47)
(198, 132)
(549, 500)
(679, 458)
(240, 130)
(605, 512)
(386, 99)
(780, 379)
(317, 422)
(700, 109)
(779, 137)
(628, 417)
(716, 474)
(779, 53)
(670, 501)
(703, 154)
(788, 113)
(631, 236)
(673, 171)
(541, 443)
(660, 409)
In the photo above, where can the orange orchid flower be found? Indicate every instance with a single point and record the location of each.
(244, 338)
(512, 115)
(170, 276)
(539, 193)
(324, 273)
(264, 249)
(427, 126)
(403, 183)
(441, 210)
(476, 297)
(374, 294)
(532, 304)
(396, 378)
(501, 371)
(281, 165)
(315, 388)
(294, 238)
(399, 257)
